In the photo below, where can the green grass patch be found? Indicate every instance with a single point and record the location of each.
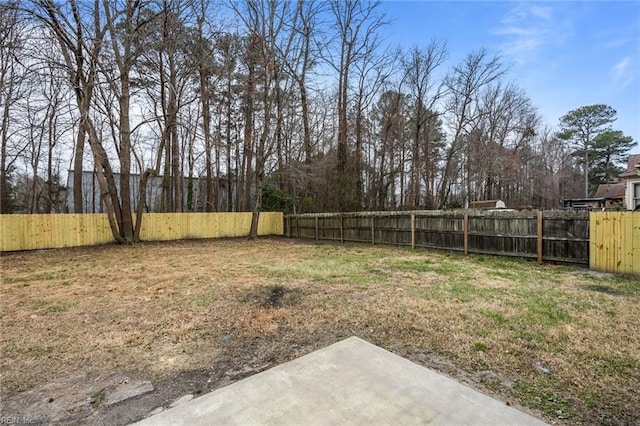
(39, 350)
(52, 309)
(418, 266)
(614, 364)
(329, 266)
(204, 301)
(507, 275)
(480, 346)
(448, 268)
(539, 394)
(245, 298)
(98, 397)
(38, 303)
(545, 309)
(463, 291)
(497, 317)
(40, 276)
(616, 285)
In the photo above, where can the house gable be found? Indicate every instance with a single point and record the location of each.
(632, 178)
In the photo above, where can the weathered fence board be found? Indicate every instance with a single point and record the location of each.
(440, 232)
(615, 242)
(29, 232)
(546, 236)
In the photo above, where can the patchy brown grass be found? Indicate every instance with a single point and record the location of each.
(561, 341)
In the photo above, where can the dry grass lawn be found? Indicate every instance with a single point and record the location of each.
(561, 341)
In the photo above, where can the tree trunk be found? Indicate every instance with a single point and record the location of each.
(77, 171)
(176, 169)
(586, 166)
(257, 205)
(247, 157)
(126, 231)
(142, 198)
(5, 195)
(206, 128)
(106, 180)
(305, 122)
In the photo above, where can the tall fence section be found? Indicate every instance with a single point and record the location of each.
(615, 242)
(557, 236)
(40, 231)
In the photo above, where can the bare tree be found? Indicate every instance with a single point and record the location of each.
(391, 114)
(159, 88)
(302, 62)
(12, 89)
(170, 56)
(44, 128)
(228, 48)
(500, 142)
(205, 64)
(297, 51)
(419, 68)
(82, 46)
(463, 84)
(122, 23)
(80, 43)
(356, 24)
(264, 22)
(372, 70)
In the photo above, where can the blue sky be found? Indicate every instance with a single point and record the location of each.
(565, 54)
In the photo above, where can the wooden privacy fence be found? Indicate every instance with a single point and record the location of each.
(615, 242)
(41, 231)
(606, 241)
(558, 236)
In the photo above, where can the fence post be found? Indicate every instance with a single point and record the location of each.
(465, 229)
(540, 239)
(316, 218)
(341, 229)
(413, 231)
(373, 230)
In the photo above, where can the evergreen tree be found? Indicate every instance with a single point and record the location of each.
(580, 126)
(610, 149)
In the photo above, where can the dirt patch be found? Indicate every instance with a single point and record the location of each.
(187, 317)
(274, 297)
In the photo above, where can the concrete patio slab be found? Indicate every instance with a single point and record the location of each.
(351, 382)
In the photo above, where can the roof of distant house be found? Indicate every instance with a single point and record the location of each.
(633, 166)
(611, 190)
(487, 204)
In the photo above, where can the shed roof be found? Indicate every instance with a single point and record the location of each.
(611, 190)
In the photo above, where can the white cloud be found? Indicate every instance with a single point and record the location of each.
(617, 36)
(545, 13)
(618, 42)
(623, 73)
(528, 28)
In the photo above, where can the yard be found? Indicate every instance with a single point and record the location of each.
(191, 316)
